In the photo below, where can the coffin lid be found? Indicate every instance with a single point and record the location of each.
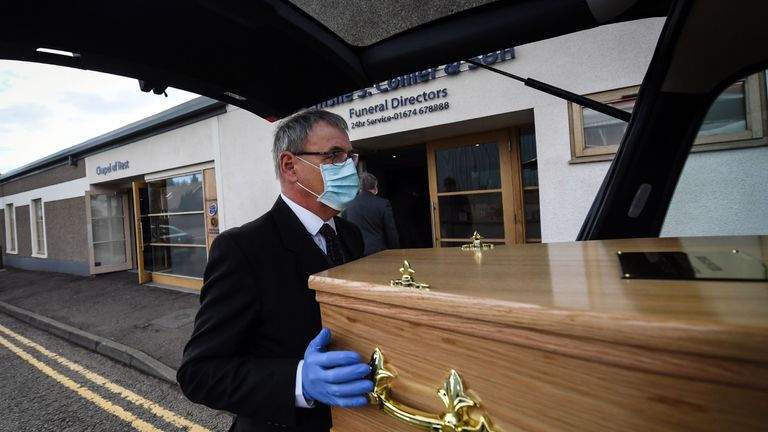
(574, 289)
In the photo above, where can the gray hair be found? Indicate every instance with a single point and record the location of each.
(367, 181)
(292, 133)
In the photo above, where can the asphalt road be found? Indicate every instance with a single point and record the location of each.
(48, 384)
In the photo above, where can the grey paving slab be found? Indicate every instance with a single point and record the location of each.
(109, 313)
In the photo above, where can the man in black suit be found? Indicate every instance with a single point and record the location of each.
(255, 350)
(373, 215)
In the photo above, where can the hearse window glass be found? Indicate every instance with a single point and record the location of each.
(729, 114)
(736, 117)
(723, 191)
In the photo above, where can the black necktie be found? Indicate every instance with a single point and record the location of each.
(332, 244)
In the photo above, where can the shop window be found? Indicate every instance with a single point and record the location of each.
(529, 173)
(10, 229)
(595, 135)
(37, 216)
(734, 120)
(174, 224)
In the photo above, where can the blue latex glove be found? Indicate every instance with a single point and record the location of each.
(334, 377)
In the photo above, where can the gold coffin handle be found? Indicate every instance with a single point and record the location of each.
(456, 417)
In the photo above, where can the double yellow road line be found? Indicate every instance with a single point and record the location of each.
(137, 423)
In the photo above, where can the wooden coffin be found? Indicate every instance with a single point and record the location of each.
(551, 337)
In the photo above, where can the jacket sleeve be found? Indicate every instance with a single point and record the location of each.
(390, 230)
(218, 370)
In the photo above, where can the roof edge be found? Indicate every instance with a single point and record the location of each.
(178, 114)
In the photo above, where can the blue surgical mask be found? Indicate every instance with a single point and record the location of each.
(340, 184)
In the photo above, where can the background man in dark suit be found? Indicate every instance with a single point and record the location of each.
(373, 215)
(252, 350)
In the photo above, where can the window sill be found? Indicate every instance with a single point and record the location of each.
(39, 256)
(9, 252)
(588, 159)
(697, 148)
(730, 145)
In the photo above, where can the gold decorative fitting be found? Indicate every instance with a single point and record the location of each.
(407, 281)
(476, 244)
(456, 417)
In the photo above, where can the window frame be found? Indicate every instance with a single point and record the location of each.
(33, 228)
(579, 151)
(11, 232)
(169, 277)
(755, 135)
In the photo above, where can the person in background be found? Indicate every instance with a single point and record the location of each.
(257, 349)
(373, 215)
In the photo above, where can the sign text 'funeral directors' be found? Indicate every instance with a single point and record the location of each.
(400, 107)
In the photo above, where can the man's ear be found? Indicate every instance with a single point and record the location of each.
(287, 170)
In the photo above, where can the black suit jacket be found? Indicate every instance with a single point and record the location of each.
(373, 215)
(256, 318)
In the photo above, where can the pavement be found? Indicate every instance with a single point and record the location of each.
(145, 327)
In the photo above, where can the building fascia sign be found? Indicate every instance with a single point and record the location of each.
(420, 103)
(112, 167)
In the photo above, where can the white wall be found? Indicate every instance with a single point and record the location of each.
(566, 191)
(237, 143)
(245, 175)
(189, 145)
(586, 62)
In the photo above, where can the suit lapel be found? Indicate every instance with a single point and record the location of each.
(349, 242)
(296, 239)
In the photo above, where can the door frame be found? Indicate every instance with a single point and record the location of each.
(144, 275)
(126, 233)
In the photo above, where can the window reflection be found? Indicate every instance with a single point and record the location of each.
(173, 225)
(530, 175)
(178, 229)
(177, 194)
(461, 215)
(181, 261)
(601, 130)
(473, 167)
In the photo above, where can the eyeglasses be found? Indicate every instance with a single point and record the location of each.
(336, 157)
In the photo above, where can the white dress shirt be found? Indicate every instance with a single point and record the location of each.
(312, 223)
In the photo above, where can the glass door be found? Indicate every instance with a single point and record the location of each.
(108, 232)
(176, 217)
(472, 188)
